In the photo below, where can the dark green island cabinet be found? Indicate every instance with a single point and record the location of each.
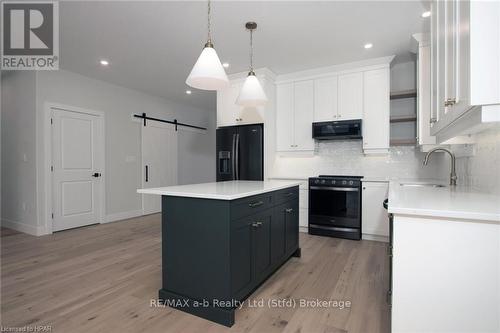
(215, 253)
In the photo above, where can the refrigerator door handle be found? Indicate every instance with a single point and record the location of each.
(233, 152)
(237, 149)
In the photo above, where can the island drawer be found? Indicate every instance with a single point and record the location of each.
(251, 205)
(285, 195)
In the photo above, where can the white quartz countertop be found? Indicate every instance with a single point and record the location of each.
(459, 202)
(229, 190)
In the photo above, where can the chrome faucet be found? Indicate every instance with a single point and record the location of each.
(453, 174)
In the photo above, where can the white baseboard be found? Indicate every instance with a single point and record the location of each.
(23, 227)
(377, 238)
(303, 229)
(122, 215)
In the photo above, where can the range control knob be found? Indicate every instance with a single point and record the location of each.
(316, 181)
(344, 182)
(322, 181)
(333, 182)
(351, 182)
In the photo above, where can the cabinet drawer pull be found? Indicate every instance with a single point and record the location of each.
(255, 204)
(289, 194)
(256, 224)
(450, 102)
(289, 210)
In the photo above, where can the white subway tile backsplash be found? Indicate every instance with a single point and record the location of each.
(347, 158)
(483, 169)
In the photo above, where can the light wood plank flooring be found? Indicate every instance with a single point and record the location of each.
(101, 279)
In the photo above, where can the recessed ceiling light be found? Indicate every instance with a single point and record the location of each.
(225, 65)
(426, 14)
(104, 62)
(188, 92)
(368, 46)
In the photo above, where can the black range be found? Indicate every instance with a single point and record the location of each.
(335, 206)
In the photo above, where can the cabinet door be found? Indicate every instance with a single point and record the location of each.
(241, 256)
(278, 233)
(424, 96)
(228, 113)
(325, 99)
(350, 96)
(435, 50)
(376, 110)
(292, 226)
(262, 243)
(375, 221)
(303, 115)
(284, 117)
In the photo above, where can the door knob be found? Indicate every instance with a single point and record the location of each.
(97, 174)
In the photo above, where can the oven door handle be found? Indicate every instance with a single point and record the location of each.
(333, 228)
(342, 189)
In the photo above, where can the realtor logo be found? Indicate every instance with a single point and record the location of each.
(30, 35)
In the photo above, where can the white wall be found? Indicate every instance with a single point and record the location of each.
(18, 151)
(122, 140)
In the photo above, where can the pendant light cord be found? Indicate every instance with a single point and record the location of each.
(251, 50)
(209, 30)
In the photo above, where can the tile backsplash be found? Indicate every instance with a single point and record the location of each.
(482, 170)
(347, 158)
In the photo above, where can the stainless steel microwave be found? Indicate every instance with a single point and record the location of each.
(337, 130)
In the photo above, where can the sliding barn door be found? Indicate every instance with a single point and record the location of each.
(159, 161)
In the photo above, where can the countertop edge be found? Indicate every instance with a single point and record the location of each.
(217, 196)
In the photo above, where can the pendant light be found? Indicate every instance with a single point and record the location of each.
(207, 72)
(251, 93)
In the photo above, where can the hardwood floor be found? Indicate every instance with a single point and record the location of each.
(101, 279)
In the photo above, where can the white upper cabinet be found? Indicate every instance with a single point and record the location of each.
(284, 117)
(294, 116)
(465, 65)
(303, 115)
(325, 99)
(342, 92)
(350, 96)
(376, 111)
(424, 138)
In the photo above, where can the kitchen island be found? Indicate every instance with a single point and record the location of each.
(220, 241)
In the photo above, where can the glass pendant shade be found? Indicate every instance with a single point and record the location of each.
(251, 93)
(207, 72)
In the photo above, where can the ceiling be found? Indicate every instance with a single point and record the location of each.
(152, 45)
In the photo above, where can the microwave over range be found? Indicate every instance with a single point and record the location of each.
(337, 130)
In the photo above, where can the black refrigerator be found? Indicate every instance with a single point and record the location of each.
(240, 152)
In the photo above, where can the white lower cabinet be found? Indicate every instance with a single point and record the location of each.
(446, 275)
(374, 215)
(376, 111)
(294, 116)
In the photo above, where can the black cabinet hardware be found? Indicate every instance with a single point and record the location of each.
(96, 174)
(147, 173)
(256, 204)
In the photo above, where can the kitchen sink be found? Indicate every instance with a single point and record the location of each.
(422, 185)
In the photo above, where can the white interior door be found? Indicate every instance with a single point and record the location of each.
(78, 164)
(159, 161)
